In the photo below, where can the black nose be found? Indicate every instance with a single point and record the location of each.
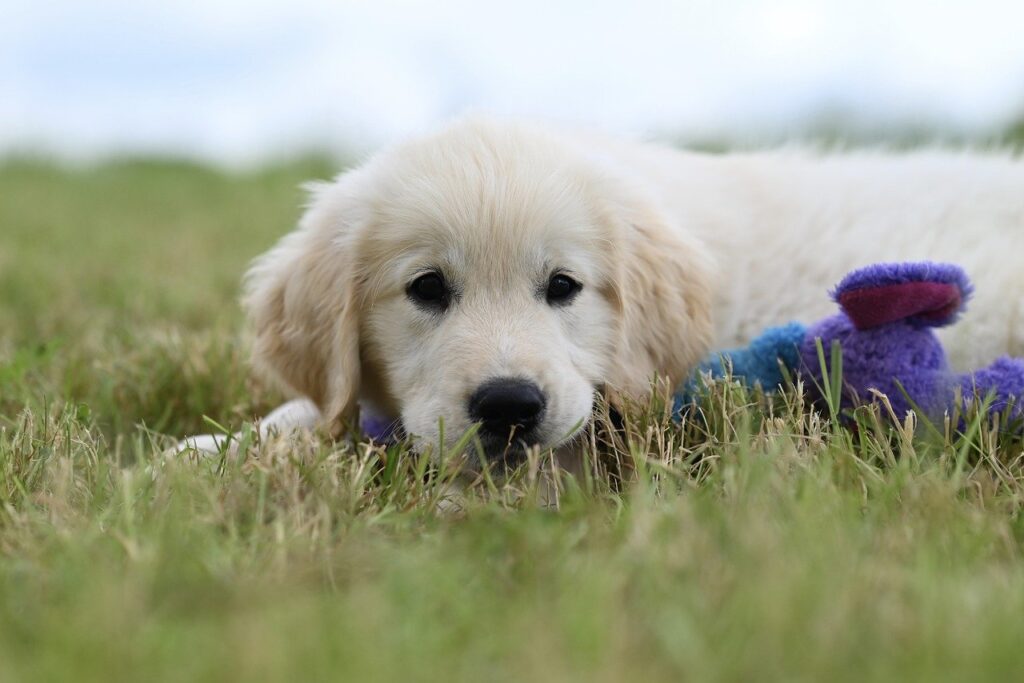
(504, 404)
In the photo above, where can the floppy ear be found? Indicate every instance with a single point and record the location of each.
(663, 294)
(302, 302)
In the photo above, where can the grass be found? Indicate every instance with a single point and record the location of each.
(759, 540)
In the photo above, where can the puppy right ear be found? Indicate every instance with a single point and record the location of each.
(662, 292)
(302, 302)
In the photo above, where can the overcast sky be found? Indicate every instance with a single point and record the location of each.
(241, 80)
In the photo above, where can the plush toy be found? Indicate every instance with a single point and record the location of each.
(885, 335)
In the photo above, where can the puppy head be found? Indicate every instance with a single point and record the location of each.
(483, 276)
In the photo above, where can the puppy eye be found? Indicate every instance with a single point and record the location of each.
(429, 289)
(562, 289)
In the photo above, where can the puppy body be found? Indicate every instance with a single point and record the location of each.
(674, 253)
(785, 226)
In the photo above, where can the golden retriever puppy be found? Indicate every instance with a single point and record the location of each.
(485, 275)
(503, 275)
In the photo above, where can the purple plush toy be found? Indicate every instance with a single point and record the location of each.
(887, 341)
(885, 334)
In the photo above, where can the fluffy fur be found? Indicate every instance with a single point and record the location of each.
(676, 252)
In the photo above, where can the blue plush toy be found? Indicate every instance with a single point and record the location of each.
(884, 331)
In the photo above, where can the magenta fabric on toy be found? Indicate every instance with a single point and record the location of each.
(929, 301)
(927, 294)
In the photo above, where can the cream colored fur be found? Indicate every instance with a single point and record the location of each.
(677, 252)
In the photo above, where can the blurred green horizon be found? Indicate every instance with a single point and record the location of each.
(827, 130)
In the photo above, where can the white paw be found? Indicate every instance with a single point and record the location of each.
(294, 417)
(207, 444)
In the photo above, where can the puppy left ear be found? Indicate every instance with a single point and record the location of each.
(302, 302)
(663, 294)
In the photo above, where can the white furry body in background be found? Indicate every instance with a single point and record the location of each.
(783, 227)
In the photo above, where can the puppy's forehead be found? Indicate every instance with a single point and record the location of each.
(490, 215)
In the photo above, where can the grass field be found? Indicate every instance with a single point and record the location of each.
(764, 543)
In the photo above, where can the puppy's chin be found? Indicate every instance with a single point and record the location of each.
(501, 453)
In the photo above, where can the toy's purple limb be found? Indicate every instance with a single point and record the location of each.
(1004, 379)
(380, 429)
(924, 294)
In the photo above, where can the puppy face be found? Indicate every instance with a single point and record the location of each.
(484, 276)
(497, 312)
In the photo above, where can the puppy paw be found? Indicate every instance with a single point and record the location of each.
(207, 444)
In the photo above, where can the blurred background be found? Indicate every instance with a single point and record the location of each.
(239, 82)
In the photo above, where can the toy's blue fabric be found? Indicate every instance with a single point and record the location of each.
(759, 363)
(762, 360)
